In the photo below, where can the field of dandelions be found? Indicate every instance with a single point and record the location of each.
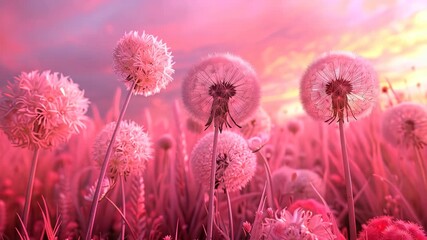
(353, 168)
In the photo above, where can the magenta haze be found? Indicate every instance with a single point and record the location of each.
(144, 60)
(235, 161)
(222, 89)
(405, 125)
(339, 86)
(42, 110)
(131, 150)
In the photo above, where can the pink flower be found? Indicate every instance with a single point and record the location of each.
(339, 86)
(41, 110)
(222, 89)
(131, 149)
(405, 125)
(235, 161)
(389, 228)
(144, 60)
(299, 225)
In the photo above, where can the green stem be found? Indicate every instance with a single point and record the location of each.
(122, 189)
(212, 185)
(349, 186)
(30, 185)
(230, 214)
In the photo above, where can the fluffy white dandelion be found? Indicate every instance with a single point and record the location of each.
(145, 61)
(221, 89)
(405, 125)
(131, 150)
(235, 161)
(42, 110)
(339, 86)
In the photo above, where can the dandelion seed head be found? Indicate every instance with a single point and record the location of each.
(294, 126)
(221, 89)
(166, 141)
(339, 86)
(405, 125)
(145, 60)
(42, 109)
(297, 183)
(131, 150)
(259, 125)
(193, 125)
(235, 161)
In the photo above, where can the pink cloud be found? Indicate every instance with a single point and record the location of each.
(278, 38)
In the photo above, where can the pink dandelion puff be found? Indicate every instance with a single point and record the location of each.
(146, 66)
(235, 161)
(42, 110)
(131, 150)
(406, 125)
(222, 89)
(339, 86)
(144, 61)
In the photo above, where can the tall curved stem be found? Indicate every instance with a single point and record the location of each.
(95, 200)
(212, 186)
(230, 214)
(349, 186)
(122, 190)
(30, 185)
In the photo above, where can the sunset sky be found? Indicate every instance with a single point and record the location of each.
(279, 38)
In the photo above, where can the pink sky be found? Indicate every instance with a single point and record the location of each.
(280, 38)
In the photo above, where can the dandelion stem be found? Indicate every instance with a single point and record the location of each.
(30, 184)
(349, 186)
(122, 189)
(270, 197)
(95, 199)
(212, 185)
(230, 214)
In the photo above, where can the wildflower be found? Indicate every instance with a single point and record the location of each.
(131, 150)
(406, 125)
(220, 89)
(339, 85)
(386, 227)
(42, 110)
(145, 60)
(299, 225)
(235, 161)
